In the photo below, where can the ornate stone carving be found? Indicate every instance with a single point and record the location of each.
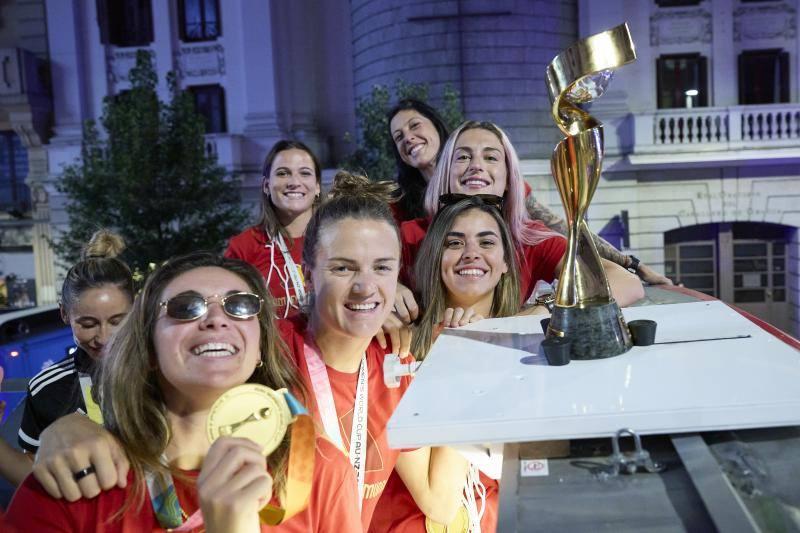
(199, 60)
(770, 21)
(680, 26)
(119, 62)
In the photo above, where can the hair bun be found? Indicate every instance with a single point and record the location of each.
(104, 244)
(347, 184)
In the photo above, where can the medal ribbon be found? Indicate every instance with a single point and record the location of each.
(300, 473)
(318, 372)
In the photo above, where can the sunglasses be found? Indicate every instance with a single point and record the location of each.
(491, 200)
(188, 307)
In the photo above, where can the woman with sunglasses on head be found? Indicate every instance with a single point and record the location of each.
(291, 189)
(467, 270)
(95, 298)
(201, 326)
(418, 134)
(478, 159)
(352, 255)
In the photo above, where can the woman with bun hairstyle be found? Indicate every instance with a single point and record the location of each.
(201, 327)
(95, 298)
(291, 189)
(479, 159)
(418, 135)
(352, 256)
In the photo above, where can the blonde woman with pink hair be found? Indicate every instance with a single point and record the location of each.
(479, 159)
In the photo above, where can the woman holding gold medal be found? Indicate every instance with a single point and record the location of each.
(352, 255)
(291, 189)
(196, 390)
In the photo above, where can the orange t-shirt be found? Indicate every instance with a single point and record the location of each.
(381, 400)
(332, 505)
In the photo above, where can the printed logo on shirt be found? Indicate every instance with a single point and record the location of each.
(374, 456)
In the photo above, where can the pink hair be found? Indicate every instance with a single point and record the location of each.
(515, 212)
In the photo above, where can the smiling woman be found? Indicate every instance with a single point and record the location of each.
(201, 326)
(95, 298)
(290, 190)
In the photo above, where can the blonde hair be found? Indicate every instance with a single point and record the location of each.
(428, 273)
(515, 213)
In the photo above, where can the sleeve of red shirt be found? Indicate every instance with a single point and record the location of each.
(32, 509)
(234, 249)
(548, 254)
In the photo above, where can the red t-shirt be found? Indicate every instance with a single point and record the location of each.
(400, 514)
(253, 245)
(535, 262)
(382, 401)
(332, 505)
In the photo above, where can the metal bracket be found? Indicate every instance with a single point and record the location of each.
(629, 463)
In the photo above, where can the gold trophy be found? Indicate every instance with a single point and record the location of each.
(584, 311)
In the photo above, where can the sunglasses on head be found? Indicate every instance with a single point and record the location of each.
(188, 307)
(491, 200)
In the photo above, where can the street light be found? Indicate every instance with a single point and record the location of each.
(690, 94)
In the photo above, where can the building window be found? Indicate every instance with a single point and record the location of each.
(681, 81)
(125, 22)
(209, 101)
(199, 20)
(15, 197)
(763, 77)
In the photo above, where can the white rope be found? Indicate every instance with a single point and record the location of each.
(472, 487)
(284, 277)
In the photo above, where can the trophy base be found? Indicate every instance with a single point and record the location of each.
(595, 332)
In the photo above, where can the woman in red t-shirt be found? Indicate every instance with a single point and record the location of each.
(291, 189)
(467, 270)
(201, 326)
(352, 256)
(478, 158)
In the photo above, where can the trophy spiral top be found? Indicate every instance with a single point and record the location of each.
(582, 72)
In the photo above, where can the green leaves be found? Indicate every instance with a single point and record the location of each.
(146, 175)
(374, 154)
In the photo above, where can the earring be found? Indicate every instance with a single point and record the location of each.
(260, 363)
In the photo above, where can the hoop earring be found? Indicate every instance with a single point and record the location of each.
(260, 363)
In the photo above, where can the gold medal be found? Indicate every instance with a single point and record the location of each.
(251, 411)
(460, 523)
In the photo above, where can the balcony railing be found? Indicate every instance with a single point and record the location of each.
(718, 128)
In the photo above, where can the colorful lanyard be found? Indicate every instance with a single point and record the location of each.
(321, 384)
(170, 515)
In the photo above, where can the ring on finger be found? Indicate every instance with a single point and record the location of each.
(80, 474)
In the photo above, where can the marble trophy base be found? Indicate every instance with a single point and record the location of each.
(595, 331)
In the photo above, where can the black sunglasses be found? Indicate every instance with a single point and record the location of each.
(492, 200)
(188, 307)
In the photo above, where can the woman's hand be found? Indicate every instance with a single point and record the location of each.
(399, 335)
(405, 306)
(233, 486)
(457, 317)
(72, 443)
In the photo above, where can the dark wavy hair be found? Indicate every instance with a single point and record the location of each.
(411, 181)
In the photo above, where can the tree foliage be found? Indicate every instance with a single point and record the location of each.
(146, 174)
(374, 153)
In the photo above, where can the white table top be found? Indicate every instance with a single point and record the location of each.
(473, 387)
